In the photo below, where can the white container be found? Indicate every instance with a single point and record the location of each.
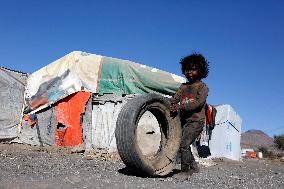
(259, 155)
(226, 136)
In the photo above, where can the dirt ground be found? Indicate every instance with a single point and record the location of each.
(24, 166)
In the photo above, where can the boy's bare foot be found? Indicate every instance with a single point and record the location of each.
(183, 176)
(194, 168)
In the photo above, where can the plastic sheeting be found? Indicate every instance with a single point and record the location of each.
(72, 73)
(68, 112)
(58, 125)
(97, 74)
(226, 136)
(42, 133)
(125, 77)
(12, 87)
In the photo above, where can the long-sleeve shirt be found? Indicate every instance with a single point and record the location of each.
(190, 100)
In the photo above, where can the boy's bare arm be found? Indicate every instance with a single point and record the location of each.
(175, 101)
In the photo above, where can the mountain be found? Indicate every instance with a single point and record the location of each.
(255, 139)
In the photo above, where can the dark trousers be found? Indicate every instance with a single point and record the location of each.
(190, 132)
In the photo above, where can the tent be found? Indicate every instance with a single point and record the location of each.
(12, 87)
(58, 95)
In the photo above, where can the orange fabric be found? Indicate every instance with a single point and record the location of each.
(208, 115)
(27, 118)
(67, 112)
(251, 154)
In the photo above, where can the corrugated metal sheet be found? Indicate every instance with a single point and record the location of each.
(104, 115)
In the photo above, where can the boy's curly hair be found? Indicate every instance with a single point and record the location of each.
(196, 60)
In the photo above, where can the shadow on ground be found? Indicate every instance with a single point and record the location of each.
(137, 173)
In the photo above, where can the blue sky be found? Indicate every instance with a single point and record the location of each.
(243, 40)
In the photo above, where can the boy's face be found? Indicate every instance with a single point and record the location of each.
(191, 73)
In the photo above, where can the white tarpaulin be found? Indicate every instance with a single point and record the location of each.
(12, 87)
(226, 136)
(74, 72)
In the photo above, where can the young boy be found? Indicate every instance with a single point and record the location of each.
(189, 101)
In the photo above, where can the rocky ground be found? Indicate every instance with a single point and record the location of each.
(30, 167)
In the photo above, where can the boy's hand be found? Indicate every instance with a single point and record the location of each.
(173, 114)
(174, 110)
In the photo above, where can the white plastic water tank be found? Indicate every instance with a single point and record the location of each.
(259, 155)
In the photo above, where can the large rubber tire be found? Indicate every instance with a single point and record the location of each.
(163, 161)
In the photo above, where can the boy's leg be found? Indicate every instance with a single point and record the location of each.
(190, 132)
